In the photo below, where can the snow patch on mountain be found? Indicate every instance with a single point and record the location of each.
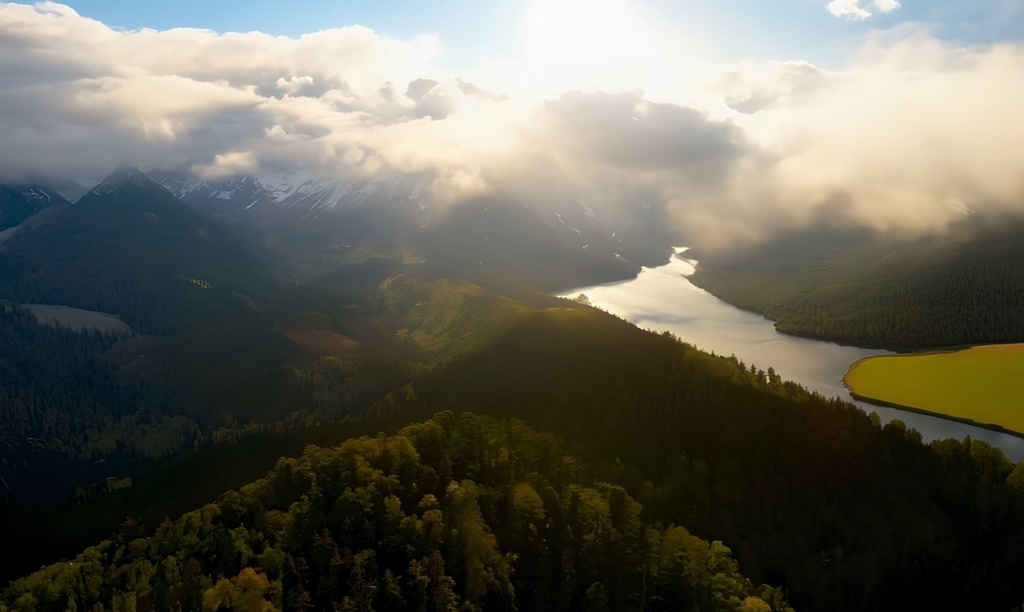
(37, 194)
(120, 180)
(299, 189)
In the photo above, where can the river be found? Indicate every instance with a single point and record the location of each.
(664, 299)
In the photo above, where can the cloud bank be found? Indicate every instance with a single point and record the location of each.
(888, 142)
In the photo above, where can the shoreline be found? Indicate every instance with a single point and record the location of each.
(844, 393)
(900, 349)
(886, 404)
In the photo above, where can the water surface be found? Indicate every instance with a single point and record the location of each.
(664, 299)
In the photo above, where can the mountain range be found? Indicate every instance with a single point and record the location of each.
(307, 225)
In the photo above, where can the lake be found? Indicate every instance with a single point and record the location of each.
(664, 299)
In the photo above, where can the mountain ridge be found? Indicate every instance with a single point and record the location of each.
(19, 202)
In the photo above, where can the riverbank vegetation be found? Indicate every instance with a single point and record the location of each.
(856, 287)
(981, 384)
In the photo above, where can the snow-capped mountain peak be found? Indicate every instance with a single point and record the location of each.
(125, 177)
(300, 190)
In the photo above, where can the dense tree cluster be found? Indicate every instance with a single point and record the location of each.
(83, 394)
(866, 292)
(331, 388)
(809, 492)
(466, 513)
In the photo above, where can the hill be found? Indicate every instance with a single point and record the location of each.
(129, 247)
(19, 202)
(451, 514)
(855, 287)
(743, 457)
(80, 406)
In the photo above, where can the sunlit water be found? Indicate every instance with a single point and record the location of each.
(664, 299)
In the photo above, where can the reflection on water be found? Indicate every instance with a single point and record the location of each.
(664, 299)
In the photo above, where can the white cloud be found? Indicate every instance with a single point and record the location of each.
(852, 9)
(886, 6)
(753, 87)
(228, 164)
(885, 144)
(911, 124)
(848, 8)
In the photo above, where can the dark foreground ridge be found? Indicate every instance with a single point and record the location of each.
(466, 513)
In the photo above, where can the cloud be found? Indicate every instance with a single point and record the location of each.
(887, 6)
(889, 142)
(886, 142)
(755, 87)
(228, 164)
(848, 8)
(851, 9)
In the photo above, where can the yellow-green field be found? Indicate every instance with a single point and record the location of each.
(984, 383)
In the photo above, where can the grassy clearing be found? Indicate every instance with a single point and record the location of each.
(984, 383)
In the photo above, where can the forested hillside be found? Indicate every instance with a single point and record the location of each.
(466, 513)
(88, 395)
(811, 493)
(231, 371)
(964, 287)
(130, 248)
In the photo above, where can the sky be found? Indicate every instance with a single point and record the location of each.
(812, 30)
(741, 119)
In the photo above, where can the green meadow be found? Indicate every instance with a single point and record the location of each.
(984, 383)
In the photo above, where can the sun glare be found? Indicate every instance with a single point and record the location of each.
(580, 44)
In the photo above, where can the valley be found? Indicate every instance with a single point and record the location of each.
(981, 384)
(229, 367)
(664, 299)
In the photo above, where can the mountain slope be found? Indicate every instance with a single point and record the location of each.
(200, 307)
(313, 224)
(963, 287)
(19, 202)
(468, 514)
(302, 191)
(810, 492)
(129, 247)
